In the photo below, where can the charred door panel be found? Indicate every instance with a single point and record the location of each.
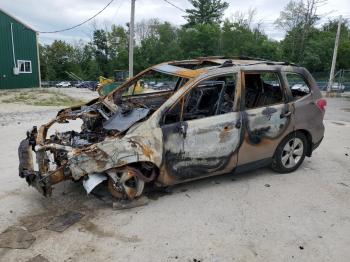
(264, 128)
(201, 147)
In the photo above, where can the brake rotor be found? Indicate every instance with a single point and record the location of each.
(125, 183)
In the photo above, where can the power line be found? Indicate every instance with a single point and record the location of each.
(170, 3)
(84, 22)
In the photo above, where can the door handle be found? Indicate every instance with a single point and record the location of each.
(286, 114)
(182, 130)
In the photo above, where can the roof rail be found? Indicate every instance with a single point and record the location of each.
(211, 57)
(243, 57)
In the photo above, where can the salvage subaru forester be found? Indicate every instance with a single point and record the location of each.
(188, 120)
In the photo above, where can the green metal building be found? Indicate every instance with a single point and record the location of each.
(19, 54)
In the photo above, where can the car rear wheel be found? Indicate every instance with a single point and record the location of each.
(290, 153)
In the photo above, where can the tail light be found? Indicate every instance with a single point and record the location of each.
(321, 104)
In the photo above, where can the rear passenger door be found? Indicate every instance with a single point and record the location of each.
(268, 115)
(307, 115)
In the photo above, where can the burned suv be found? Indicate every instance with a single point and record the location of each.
(215, 116)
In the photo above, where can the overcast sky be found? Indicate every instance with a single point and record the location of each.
(44, 15)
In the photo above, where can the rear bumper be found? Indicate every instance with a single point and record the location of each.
(316, 145)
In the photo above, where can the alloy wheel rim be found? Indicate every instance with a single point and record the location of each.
(125, 184)
(292, 152)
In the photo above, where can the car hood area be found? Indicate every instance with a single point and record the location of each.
(102, 143)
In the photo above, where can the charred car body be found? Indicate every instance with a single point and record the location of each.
(218, 115)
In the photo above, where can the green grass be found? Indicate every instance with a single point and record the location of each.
(38, 98)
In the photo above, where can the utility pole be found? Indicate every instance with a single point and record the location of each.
(131, 39)
(334, 60)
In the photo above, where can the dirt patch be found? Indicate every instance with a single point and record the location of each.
(88, 226)
(36, 222)
(38, 258)
(16, 237)
(62, 222)
(38, 97)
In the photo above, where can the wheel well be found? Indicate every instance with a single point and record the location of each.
(146, 168)
(309, 141)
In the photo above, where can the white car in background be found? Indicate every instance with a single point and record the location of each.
(338, 87)
(63, 84)
(300, 87)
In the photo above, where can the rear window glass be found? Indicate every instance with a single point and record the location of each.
(297, 85)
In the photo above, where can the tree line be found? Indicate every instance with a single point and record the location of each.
(204, 34)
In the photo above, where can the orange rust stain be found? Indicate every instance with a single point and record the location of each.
(225, 133)
(147, 151)
(57, 176)
(191, 73)
(164, 178)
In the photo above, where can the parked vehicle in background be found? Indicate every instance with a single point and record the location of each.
(217, 116)
(300, 87)
(338, 87)
(63, 84)
(160, 86)
(92, 85)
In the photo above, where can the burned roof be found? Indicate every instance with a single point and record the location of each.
(194, 67)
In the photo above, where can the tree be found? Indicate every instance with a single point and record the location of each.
(298, 19)
(205, 12)
(101, 50)
(238, 39)
(160, 44)
(118, 48)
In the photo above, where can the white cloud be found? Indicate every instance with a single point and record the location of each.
(52, 15)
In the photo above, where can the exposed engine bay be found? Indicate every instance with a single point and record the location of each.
(101, 122)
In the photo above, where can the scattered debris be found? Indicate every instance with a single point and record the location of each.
(61, 223)
(38, 258)
(267, 185)
(16, 237)
(127, 204)
(343, 184)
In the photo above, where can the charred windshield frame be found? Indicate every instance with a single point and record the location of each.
(132, 83)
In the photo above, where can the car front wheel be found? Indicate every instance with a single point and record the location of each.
(290, 153)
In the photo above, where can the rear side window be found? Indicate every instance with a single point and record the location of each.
(262, 89)
(297, 85)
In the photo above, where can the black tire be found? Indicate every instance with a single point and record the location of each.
(277, 164)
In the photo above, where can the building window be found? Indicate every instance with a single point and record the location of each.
(24, 66)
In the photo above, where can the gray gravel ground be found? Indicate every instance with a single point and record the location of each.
(257, 216)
